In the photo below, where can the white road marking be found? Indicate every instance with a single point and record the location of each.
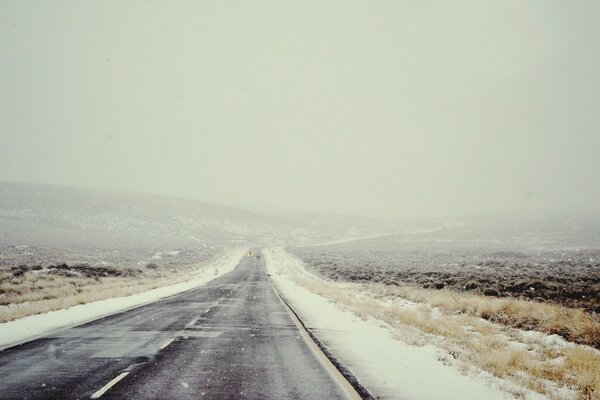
(110, 384)
(192, 323)
(203, 334)
(346, 387)
(205, 311)
(168, 342)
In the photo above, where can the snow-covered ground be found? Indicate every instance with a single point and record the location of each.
(388, 367)
(28, 328)
(85, 219)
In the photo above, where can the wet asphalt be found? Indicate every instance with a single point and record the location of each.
(230, 339)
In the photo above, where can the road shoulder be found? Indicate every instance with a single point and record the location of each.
(388, 368)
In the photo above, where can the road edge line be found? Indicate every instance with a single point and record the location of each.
(348, 382)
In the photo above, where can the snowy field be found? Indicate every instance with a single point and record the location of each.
(547, 260)
(416, 309)
(400, 348)
(31, 327)
(88, 221)
(62, 246)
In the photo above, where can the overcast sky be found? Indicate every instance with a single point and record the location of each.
(384, 108)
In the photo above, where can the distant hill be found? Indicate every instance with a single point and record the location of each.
(44, 224)
(60, 216)
(520, 232)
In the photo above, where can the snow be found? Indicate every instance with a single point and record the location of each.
(35, 326)
(349, 240)
(554, 342)
(387, 367)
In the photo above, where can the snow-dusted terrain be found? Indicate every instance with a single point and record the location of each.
(388, 367)
(28, 328)
(84, 240)
(68, 217)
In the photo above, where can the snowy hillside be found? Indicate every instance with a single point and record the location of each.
(57, 216)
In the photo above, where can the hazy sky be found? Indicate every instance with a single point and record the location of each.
(385, 108)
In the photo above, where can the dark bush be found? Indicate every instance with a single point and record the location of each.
(491, 292)
(61, 266)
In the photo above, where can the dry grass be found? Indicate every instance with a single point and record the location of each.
(61, 297)
(33, 292)
(574, 325)
(59, 293)
(584, 366)
(497, 344)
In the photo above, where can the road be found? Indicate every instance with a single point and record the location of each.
(229, 339)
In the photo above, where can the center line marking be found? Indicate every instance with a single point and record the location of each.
(168, 342)
(110, 384)
(192, 322)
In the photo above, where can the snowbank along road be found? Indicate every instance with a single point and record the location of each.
(229, 339)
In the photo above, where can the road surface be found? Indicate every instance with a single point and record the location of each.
(229, 339)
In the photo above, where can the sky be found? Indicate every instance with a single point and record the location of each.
(385, 108)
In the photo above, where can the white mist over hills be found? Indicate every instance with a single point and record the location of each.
(395, 109)
(70, 217)
(59, 216)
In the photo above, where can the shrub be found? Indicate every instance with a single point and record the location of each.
(491, 292)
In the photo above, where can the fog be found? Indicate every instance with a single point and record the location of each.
(390, 108)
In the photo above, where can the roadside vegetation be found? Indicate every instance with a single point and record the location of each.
(542, 346)
(33, 289)
(568, 278)
(574, 325)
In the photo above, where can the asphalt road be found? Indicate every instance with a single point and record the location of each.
(230, 339)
